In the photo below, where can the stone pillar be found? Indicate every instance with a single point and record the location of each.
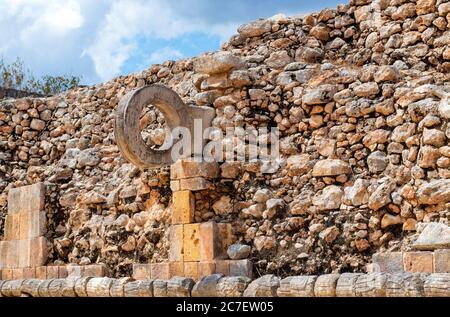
(24, 246)
(197, 249)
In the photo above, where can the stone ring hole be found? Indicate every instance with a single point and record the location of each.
(131, 130)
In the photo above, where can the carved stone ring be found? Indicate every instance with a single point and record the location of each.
(176, 113)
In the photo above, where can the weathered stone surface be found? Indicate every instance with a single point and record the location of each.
(183, 207)
(346, 285)
(437, 285)
(390, 220)
(434, 192)
(418, 262)
(81, 286)
(118, 286)
(330, 167)
(377, 162)
(220, 62)
(428, 157)
(441, 261)
(371, 285)
(188, 168)
(386, 73)
(297, 286)
(12, 288)
(389, 262)
(26, 198)
(241, 268)
(144, 288)
(223, 206)
(278, 60)
(357, 194)
(98, 287)
(142, 271)
(382, 194)
(30, 287)
(159, 288)
(325, 285)
(320, 95)
(255, 28)
(434, 236)
(238, 251)
(405, 285)
(207, 286)
(329, 199)
(364, 84)
(179, 287)
(265, 286)
(232, 286)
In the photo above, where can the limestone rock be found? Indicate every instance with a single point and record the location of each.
(223, 206)
(262, 195)
(302, 286)
(435, 192)
(142, 288)
(377, 162)
(434, 236)
(325, 285)
(278, 60)
(434, 137)
(437, 285)
(390, 220)
(255, 28)
(232, 286)
(330, 167)
(345, 286)
(382, 194)
(207, 286)
(320, 95)
(180, 287)
(238, 251)
(371, 285)
(265, 286)
(444, 107)
(329, 199)
(220, 62)
(299, 164)
(405, 285)
(357, 194)
(386, 73)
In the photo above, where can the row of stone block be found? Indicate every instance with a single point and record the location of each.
(23, 253)
(216, 285)
(25, 225)
(199, 241)
(124, 287)
(437, 261)
(194, 270)
(54, 272)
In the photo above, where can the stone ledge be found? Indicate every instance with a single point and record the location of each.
(54, 272)
(216, 285)
(437, 261)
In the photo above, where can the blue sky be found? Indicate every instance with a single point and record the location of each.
(100, 39)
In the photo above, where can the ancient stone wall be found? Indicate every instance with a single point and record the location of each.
(14, 93)
(328, 285)
(359, 94)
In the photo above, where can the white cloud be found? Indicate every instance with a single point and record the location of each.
(97, 38)
(128, 19)
(164, 54)
(54, 20)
